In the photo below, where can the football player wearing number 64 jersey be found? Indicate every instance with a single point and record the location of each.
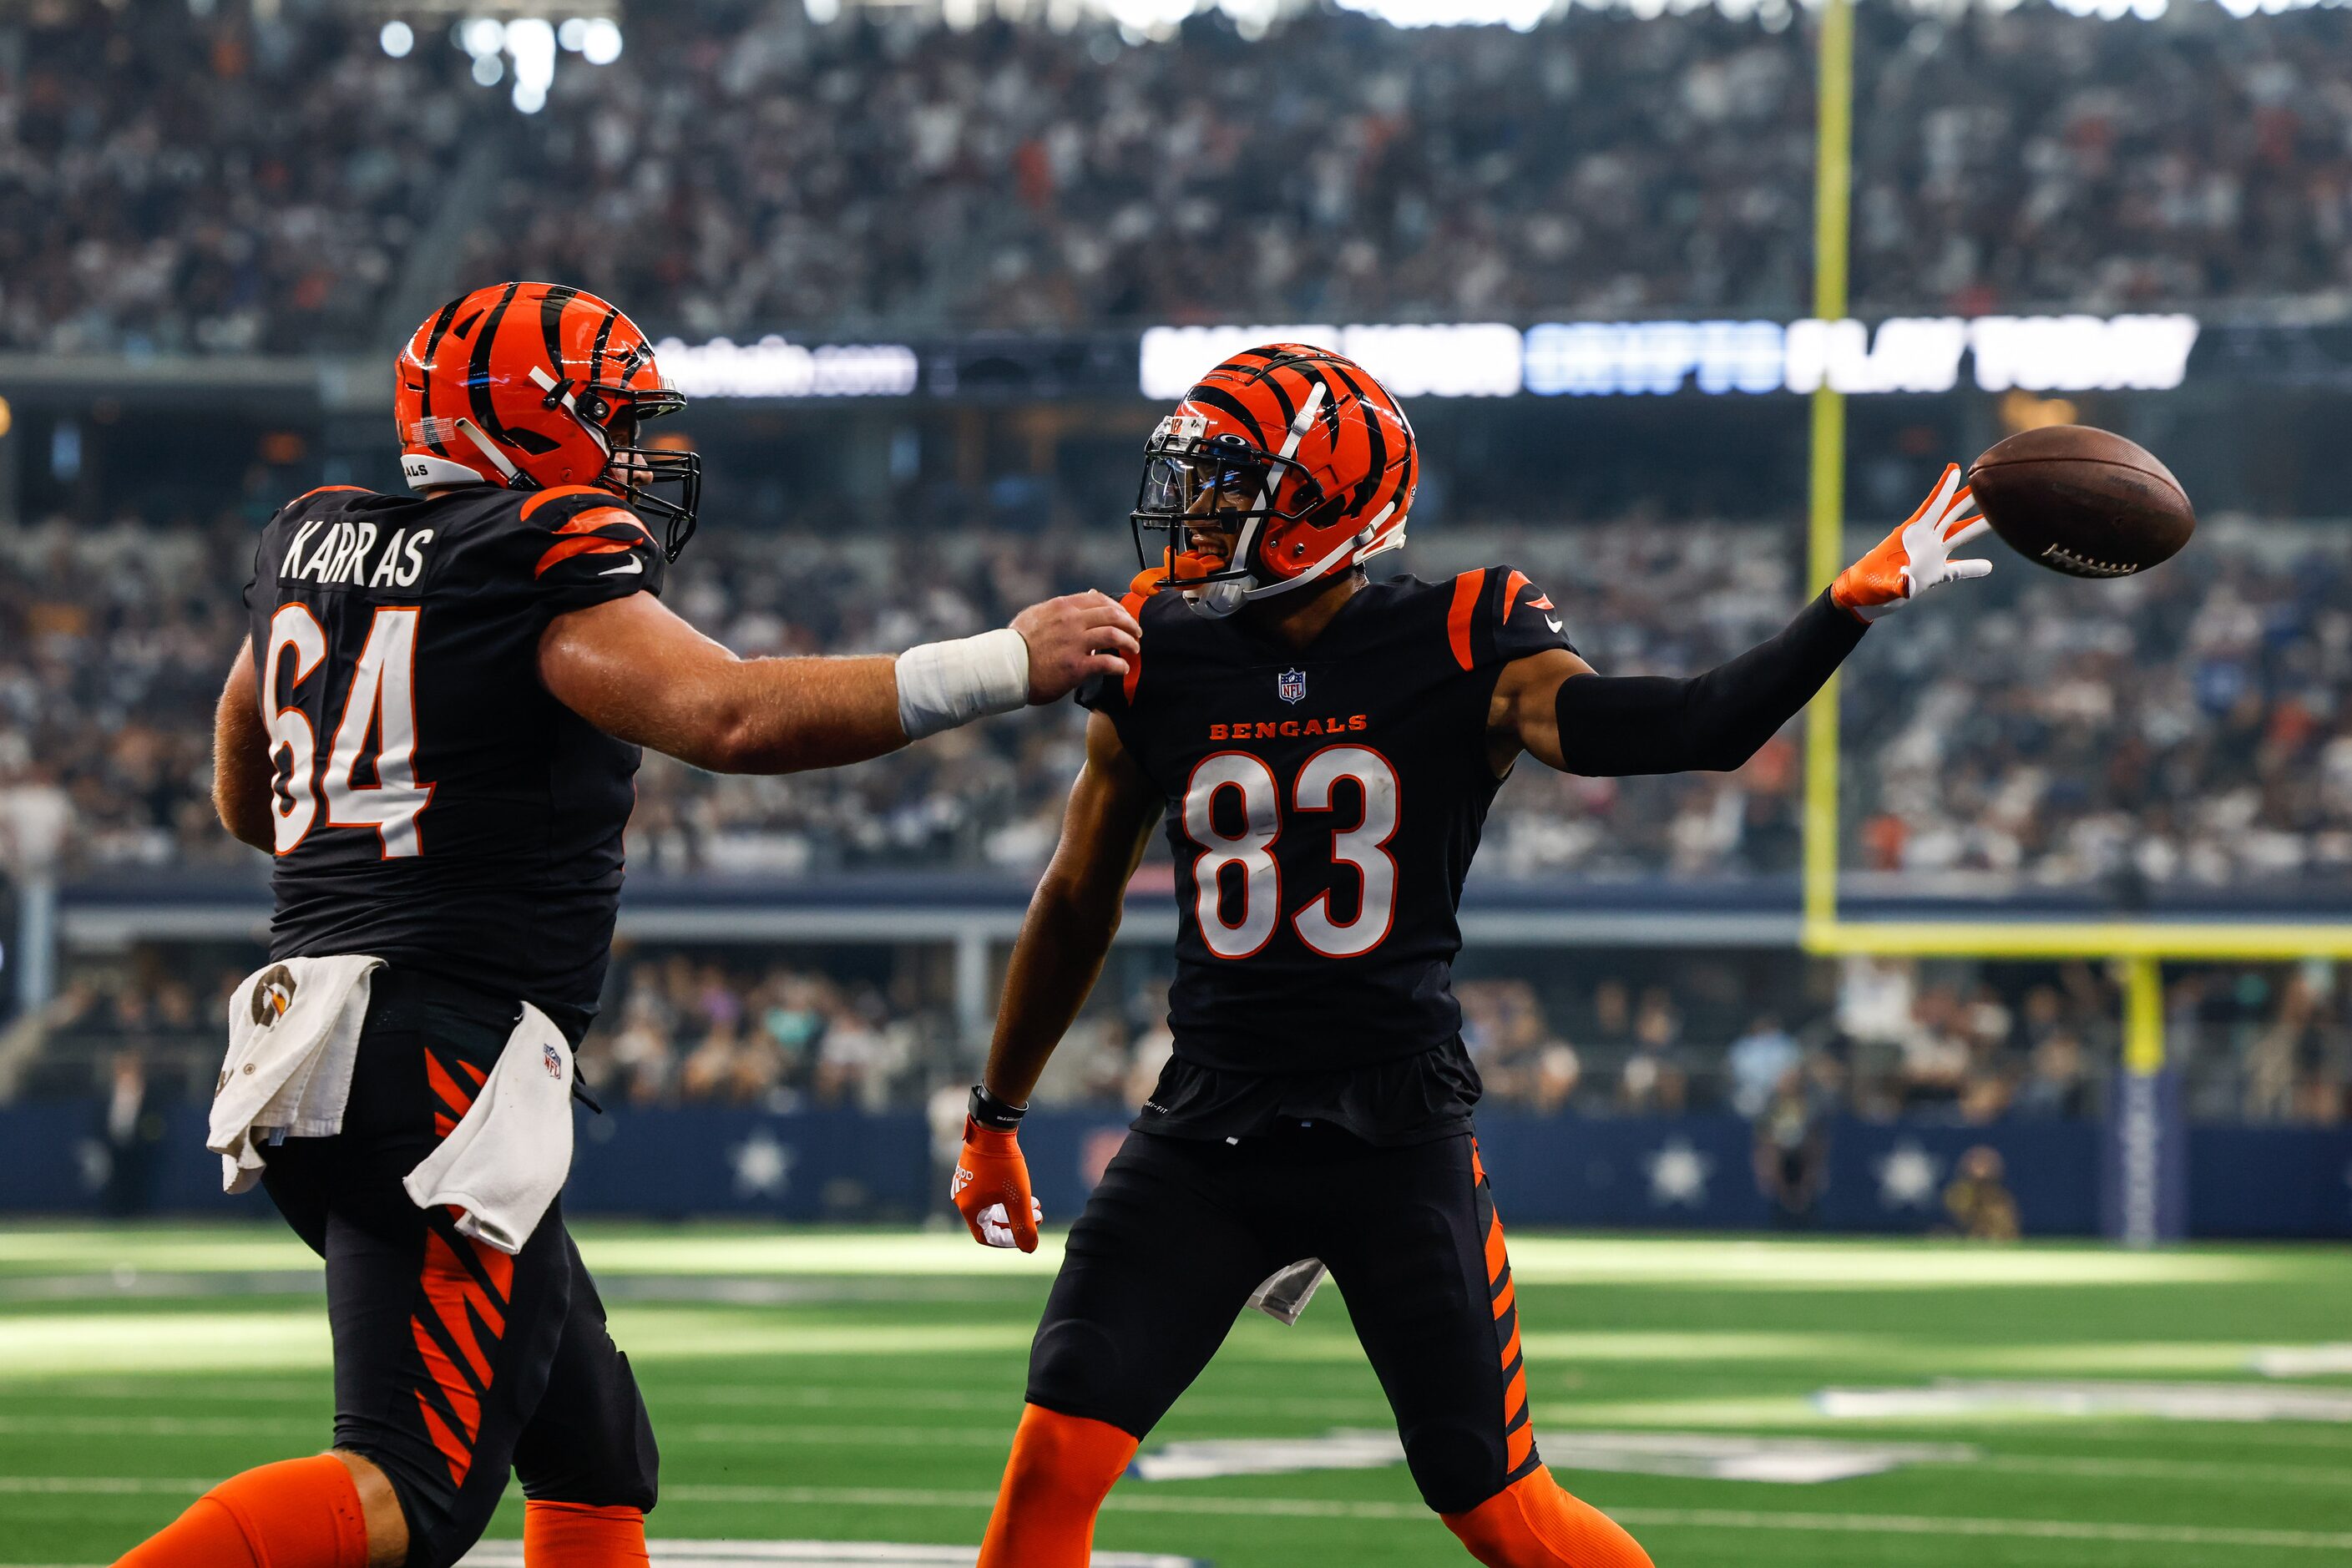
(1323, 750)
(433, 728)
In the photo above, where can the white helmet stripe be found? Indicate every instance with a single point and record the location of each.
(1299, 428)
(489, 448)
(547, 383)
(1299, 425)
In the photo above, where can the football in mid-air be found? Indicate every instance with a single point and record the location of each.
(2083, 501)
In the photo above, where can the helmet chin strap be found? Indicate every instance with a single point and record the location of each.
(1219, 600)
(1216, 601)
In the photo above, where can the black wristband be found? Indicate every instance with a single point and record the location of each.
(993, 1113)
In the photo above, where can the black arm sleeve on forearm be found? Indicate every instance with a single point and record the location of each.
(1611, 726)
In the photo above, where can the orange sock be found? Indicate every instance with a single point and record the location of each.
(296, 1513)
(1532, 1523)
(1061, 1469)
(579, 1535)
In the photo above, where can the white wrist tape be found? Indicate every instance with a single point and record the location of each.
(944, 684)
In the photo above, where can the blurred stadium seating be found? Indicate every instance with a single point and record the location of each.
(213, 218)
(2199, 733)
(740, 168)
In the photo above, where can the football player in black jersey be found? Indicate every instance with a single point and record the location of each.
(1324, 750)
(434, 728)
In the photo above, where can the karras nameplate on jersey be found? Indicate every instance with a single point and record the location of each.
(353, 554)
(1290, 728)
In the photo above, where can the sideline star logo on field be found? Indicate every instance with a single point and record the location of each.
(1906, 1176)
(763, 1167)
(1678, 1174)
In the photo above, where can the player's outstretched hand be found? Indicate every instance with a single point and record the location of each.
(1916, 556)
(1073, 638)
(991, 1189)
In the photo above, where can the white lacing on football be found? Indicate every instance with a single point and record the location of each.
(944, 684)
(2084, 566)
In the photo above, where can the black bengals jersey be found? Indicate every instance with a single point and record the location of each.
(1323, 807)
(434, 806)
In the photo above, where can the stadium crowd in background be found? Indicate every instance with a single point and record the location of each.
(1586, 1033)
(2181, 728)
(2200, 735)
(775, 174)
(265, 203)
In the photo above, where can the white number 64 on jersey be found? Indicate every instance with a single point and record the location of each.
(383, 699)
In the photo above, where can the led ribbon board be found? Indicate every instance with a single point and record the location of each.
(774, 368)
(1606, 359)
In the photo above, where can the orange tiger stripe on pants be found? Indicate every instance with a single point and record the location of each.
(1531, 1522)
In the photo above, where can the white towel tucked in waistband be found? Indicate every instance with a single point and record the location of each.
(293, 1035)
(508, 1157)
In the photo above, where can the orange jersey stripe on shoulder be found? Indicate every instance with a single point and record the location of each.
(1466, 589)
(558, 492)
(324, 490)
(606, 517)
(1511, 586)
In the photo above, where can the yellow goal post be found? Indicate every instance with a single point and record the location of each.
(2139, 947)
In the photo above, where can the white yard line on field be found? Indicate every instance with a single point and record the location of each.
(2168, 1470)
(102, 1486)
(1307, 1507)
(2217, 1473)
(2026, 1529)
(1662, 1518)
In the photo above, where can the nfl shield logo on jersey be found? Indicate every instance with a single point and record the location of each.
(1291, 685)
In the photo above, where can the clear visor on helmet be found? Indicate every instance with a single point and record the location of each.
(1201, 494)
(1196, 484)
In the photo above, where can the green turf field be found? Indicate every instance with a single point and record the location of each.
(862, 1386)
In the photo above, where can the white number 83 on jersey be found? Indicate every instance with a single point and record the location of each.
(1251, 849)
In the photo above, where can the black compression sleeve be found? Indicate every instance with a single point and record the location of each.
(1611, 726)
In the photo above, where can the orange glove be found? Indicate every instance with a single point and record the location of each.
(1916, 556)
(991, 1189)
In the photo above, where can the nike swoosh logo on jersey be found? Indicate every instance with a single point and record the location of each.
(633, 565)
(1553, 622)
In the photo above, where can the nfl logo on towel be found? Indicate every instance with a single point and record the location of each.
(1291, 685)
(554, 1062)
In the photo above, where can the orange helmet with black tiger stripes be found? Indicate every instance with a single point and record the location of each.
(531, 386)
(1294, 462)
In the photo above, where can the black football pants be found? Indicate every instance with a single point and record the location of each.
(454, 1362)
(1179, 1232)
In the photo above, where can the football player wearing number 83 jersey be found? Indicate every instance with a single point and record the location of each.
(1323, 750)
